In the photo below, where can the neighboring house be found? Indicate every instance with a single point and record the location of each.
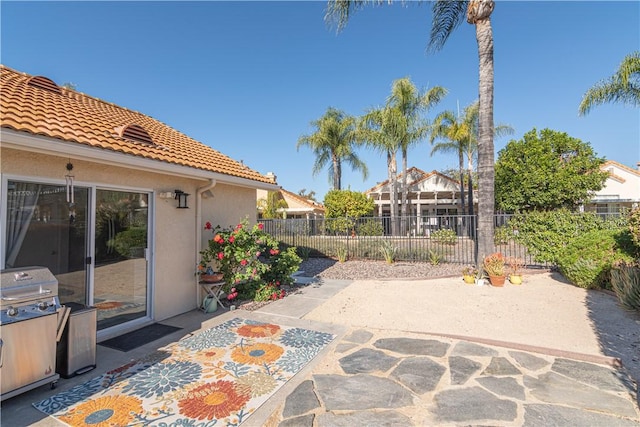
(298, 207)
(430, 194)
(94, 191)
(621, 190)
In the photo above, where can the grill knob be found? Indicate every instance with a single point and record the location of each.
(12, 311)
(43, 305)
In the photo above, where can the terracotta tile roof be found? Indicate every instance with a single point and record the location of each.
(606, 165)
(75, 117)
(301, 200)
(410, 172)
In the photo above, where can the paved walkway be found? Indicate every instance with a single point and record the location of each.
(387, 378)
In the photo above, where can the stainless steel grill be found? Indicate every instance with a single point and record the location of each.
(28, 329)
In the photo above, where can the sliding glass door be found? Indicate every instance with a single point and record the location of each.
(120, 289)
(47, 227)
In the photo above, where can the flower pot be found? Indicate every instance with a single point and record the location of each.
(497, 280)
(515, 279)
(470, 280)
(211, 278)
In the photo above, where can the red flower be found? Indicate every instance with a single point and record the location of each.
(232, 239)
(274, 251)
(218, 239)
(213, 401)
(243, 262)
(239, 227)
(260, 226)
(258, 253)
(220, 255)
(207, 226)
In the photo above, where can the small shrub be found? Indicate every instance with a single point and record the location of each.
(130, 243)
(304, 252)
(342, 253)
(625, 281)
(445, 235)
(370, 227)
(388, 251)
(634, 226)
(269, 291)
(586, 261)
(435, 258)
(502, 235)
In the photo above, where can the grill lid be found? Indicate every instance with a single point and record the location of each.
(27, 283)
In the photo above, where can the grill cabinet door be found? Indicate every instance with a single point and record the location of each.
(28, 352)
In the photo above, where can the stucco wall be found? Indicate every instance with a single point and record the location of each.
(629, 190)
(173, 238)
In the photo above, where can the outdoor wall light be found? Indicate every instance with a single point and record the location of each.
(181, 197)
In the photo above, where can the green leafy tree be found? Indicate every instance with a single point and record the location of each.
(333, 144)
(347, 203)
(623, 86)
(271, 206)
(546, 170)
(447, 16)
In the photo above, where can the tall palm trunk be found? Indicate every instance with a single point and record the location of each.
(392, 170)
(484, 36)
(470, 186)
(405, 192)
(337, 172)
(461, 171)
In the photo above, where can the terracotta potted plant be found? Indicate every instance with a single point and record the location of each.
(494, 265)
(515, 270)
(469, 275)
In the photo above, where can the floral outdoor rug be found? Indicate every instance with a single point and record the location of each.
(217, 377)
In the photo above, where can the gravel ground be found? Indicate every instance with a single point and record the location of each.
(361, 270)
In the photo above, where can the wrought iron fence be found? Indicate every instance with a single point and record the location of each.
(448, 238)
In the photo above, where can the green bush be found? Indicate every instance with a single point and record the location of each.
(502, 235)
(388, 251)
(634, 226)
(339, 226)
(625, 281)
(445, 235)
(435, 257)
(586, 261)
(370, 227)
(130, 243)
(547, 234)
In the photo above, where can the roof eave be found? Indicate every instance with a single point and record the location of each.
(10, 138)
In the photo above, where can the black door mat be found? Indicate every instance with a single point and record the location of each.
(139, 337)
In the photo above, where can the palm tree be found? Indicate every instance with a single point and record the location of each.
(455, 133)
(623, 86)
(406, 98)
(460, 135)
(447, 16)
(333, 143)
(271, 206)
(379, 129)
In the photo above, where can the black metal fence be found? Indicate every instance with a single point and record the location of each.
(445, 238)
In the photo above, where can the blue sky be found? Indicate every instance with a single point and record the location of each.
(247, 78)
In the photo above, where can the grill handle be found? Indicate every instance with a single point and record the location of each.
(23, 296)
(1, 353)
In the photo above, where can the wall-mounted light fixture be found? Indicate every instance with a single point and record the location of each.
(181, 197)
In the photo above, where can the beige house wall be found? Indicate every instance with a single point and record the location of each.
(173, 238)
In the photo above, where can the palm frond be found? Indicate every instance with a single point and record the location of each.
(447, 16)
